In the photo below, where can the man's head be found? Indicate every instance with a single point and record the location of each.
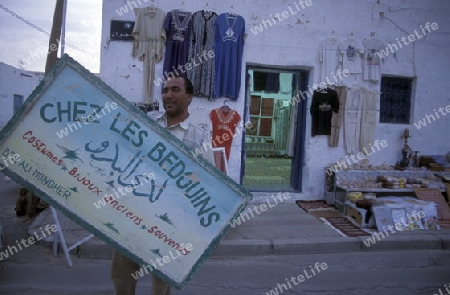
(177, 93)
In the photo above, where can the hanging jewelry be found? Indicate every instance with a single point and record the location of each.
(180, 27)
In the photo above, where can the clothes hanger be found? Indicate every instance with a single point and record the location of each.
(350, 36)
(225, 105)
(151, 7)
(324, 89)
(232, 14)
(333, 36)
(182, 8)
(210, 9)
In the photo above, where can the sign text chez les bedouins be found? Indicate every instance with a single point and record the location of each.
(91, 154)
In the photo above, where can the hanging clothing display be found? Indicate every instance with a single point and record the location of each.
(352, 120)
(224, 122)
(148, 46)
(229, 45)
(282, 125)
(292, 136)
(220, 161)
(351, 55)
(337, 118)
(368, 119)
(324, 103)
(201, 46)
(328, 58)
(177, 26)
(372, 62)
(247, 122)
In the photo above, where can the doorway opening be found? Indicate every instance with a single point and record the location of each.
(273, 144)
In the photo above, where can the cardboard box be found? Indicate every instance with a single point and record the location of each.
(356, 214)
(402, 214)
(435, 167)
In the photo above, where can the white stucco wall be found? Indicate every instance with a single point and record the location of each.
(293, 43)
(14, 81)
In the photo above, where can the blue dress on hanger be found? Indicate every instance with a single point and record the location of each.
(229, 45)
(178, 26)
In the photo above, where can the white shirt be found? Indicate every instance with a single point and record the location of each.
(372, 61)
(351, 53)
(329, 58)
(197, 136)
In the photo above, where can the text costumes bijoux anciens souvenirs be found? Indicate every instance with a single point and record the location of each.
(176, 169)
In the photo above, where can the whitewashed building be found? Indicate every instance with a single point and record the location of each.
(15, 87)
(285, 37)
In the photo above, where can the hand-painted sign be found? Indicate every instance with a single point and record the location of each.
(101, 161)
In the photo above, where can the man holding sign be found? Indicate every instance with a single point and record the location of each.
(171, 192)
(177, 94)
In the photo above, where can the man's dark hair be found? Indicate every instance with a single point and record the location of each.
(187, 83)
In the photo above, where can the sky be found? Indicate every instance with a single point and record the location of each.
(23, 46)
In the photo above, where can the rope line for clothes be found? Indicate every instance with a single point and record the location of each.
(87, 52)
(248, 44)
(40, 29)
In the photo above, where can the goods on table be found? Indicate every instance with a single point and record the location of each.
(354, 196)
(408, 182)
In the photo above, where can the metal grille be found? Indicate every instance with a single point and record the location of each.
(395, 101)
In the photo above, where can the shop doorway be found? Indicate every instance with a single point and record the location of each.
(273, 144)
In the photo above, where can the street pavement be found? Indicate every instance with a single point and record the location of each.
(284, 230)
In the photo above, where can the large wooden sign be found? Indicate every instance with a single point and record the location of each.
(101, 161)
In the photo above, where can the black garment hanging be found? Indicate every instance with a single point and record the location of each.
(325, 101)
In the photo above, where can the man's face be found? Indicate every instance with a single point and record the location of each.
(174, 97)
